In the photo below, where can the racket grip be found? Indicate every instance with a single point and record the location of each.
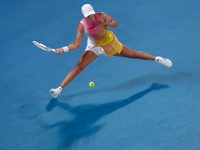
(53, 50)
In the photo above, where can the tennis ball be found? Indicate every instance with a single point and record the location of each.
(91, 84)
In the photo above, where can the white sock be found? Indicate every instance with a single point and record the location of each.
(60, 88)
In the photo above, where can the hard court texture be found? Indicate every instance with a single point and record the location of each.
(135, 104)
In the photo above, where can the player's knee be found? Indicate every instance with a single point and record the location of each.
(135, 54)
(138, 54)
(79, 68)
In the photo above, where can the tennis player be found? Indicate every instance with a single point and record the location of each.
(100, 41)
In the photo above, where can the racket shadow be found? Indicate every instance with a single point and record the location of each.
(85, 117)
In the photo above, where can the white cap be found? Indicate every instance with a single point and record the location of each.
(87, 10)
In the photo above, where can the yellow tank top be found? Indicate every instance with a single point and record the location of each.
(106, 39)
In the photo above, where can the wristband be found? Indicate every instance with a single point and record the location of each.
(65, 48)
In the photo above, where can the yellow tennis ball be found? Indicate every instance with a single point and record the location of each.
(91, 84)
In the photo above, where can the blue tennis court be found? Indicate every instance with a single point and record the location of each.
(135, 104)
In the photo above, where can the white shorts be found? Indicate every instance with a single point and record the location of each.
(96, 49)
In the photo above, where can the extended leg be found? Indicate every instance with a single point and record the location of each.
(85, 60)
(130, 53)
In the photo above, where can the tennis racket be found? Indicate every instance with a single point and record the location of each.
(43, 47)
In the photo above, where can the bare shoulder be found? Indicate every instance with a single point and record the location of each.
(80, 27)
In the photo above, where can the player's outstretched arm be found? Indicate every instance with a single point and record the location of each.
(75, 44)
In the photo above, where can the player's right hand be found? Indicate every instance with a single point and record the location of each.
(59, 51)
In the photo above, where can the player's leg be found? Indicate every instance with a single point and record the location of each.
(84, 61)
(130, 53)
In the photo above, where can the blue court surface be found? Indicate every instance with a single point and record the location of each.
(135, 104)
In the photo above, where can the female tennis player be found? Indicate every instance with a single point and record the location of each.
(100, 41)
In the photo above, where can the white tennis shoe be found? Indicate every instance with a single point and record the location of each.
(55, 92)
(164, 61)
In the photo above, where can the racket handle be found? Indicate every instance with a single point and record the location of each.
(53, 50)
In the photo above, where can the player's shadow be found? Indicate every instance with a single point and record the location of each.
(84, 122)
(178, 77)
